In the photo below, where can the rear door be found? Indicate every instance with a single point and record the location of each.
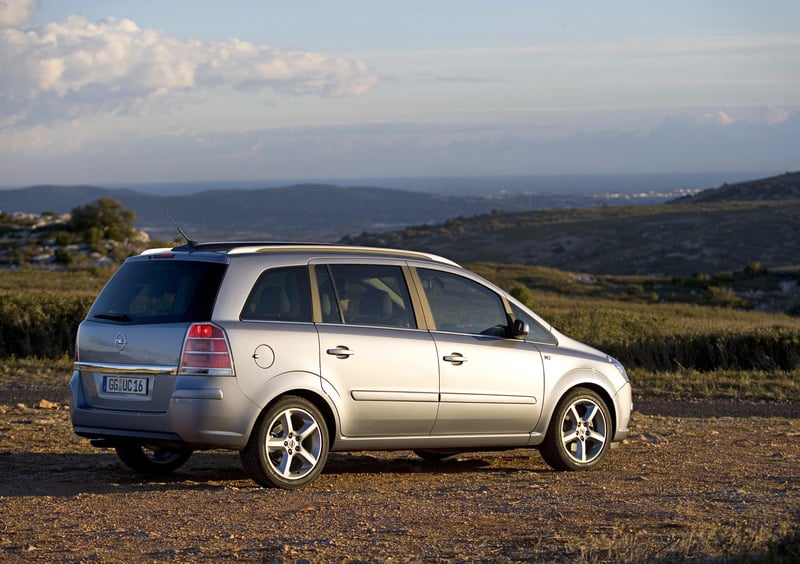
(489, 383)
(275, 334)
(382, 368)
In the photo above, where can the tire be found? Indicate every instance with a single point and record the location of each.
(579, 435)
(289, 445)
(152, 459)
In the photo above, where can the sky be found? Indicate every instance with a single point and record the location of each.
(131, 91)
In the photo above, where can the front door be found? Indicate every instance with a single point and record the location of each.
(489, 383)
(382, 369)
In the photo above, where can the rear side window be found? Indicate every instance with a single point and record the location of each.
(280, 294)
(365, 294)
(160, 291)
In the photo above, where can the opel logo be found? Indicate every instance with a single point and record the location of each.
(120, 341)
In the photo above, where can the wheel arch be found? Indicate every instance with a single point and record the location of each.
(590, 380)
(301, 384)
(315, 398)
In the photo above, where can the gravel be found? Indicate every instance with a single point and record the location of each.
(695, 480)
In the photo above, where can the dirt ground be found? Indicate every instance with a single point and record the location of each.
(707, 481)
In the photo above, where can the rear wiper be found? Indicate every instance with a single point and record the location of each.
(114, 317)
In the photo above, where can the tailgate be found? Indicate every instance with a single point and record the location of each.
(128, 367)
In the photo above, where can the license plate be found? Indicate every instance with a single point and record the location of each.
(128, 385)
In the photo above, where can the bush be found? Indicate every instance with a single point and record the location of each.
(663, 337)
(104, 219)
(756, 350)
(523, 294)
(40, 324)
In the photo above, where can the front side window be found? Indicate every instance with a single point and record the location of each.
(280, 294)
(365, 294)
(537, 333)
(461, 305)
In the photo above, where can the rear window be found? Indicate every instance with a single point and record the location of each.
(156, 291)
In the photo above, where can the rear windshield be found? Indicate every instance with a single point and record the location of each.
(156, 291)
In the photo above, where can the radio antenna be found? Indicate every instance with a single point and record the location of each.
(188, 241)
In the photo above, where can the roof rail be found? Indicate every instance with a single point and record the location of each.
(226, 246)
(242, 247)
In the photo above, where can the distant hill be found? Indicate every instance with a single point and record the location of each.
(717, 230)
(783, 187)
(306, 212)
(682, 238)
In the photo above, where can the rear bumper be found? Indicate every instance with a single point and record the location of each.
(203, 412)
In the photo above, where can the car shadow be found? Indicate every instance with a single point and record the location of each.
(72, 474)
(367, 463)
(68, 474)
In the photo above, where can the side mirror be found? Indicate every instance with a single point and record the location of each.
(519, 329)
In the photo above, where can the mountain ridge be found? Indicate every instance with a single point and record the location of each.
(323, 212)
(715, 230)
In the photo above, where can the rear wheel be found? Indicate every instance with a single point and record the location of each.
(152, 459)
(289, 445)
(580, 432)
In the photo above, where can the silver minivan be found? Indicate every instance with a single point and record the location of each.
(285, 352)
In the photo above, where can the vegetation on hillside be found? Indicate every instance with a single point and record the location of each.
(750, 288)
(666, 240)
(99, 234)
(782, 187)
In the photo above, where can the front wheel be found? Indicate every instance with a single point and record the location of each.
(289, 445)
(145, 458)
(579, 434)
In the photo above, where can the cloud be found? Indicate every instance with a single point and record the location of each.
(16, 12)
(682, 143)
(719, 118)
(772, 115)
(75, 68)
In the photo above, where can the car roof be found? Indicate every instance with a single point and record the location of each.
(254, 247)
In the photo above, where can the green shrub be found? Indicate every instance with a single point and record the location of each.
(40, 324)
(523, 294)
(665, 337)
(104, 219)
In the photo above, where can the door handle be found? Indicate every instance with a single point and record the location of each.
(455, 358)
(340, 352)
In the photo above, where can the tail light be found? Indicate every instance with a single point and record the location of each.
(206, 351)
